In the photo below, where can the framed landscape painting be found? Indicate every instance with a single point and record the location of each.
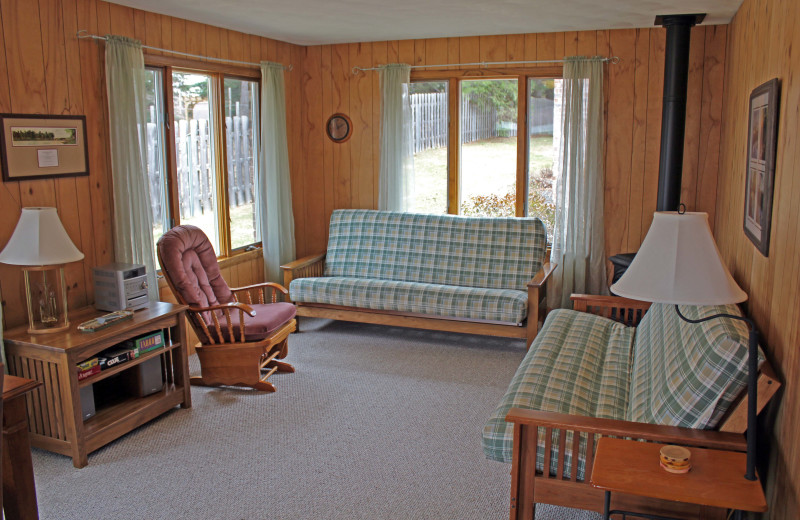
(35, 146)
(762, 133)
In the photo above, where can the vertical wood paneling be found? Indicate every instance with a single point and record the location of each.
(313, 148)
(762, 43)
(619, 143)
(340, 103)
(639, 134)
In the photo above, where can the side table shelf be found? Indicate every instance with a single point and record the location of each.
(54, 409)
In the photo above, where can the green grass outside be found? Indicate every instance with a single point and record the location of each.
(487, 167)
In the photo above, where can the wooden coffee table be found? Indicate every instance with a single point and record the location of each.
(715, 480)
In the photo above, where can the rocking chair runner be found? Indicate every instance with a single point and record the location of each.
(242, 331)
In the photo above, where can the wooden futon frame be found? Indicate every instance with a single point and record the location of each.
(529, 487)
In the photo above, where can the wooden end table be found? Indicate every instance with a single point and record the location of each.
(715, 480)
(55, 416)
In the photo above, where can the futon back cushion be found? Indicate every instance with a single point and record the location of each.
(687, 374)
(496, 253)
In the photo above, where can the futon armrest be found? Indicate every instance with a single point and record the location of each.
(642, 431)
(303, 262)
(544, 273)
(624, 310)
(306, 267)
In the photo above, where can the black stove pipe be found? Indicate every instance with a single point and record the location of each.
(673, 116)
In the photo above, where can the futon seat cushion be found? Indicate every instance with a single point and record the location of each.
(687, 374)
(504, 305)
(495, 253)
(578, 364)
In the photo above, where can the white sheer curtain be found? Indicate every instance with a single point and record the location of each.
(133, 218)
(578, 242)
(273, 182)
(396, 180)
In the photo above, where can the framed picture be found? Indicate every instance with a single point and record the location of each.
(762, 133)
(35, 146)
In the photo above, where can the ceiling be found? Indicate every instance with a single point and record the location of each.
(313, 22)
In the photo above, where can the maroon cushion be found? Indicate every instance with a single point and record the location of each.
(189, 261)
(269, 317)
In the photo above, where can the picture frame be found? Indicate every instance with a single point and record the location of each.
(762, 140)
(37, 146)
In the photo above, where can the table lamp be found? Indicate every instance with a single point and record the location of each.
(679, 263)
(42, 246)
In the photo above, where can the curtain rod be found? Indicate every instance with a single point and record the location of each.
(612, 59)
(83, 34)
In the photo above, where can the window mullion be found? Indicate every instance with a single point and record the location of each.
(223, 209)
(521, 209)
(172, 162)
(454, 147)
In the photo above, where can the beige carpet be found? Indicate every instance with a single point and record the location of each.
(377, 423)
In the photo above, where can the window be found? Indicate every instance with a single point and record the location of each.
(156, 160)
(430, 121)
(241, 143)
(505, 139)
(211, 144)
(544, 114)
(489, 147)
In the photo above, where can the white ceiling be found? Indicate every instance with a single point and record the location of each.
(312, 22)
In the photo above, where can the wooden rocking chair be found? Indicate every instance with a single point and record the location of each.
(242, 331)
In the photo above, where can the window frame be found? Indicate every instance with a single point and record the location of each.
(454, 78)
(218, 72)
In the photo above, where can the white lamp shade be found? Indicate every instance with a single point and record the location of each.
(39, 239)
(679, 263)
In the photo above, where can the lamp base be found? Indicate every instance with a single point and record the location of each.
(46, 295)
(49, 330)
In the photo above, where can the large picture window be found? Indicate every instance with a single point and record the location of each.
(202, 154)
(497, 156)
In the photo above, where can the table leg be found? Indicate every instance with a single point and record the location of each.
(19, 492)
(607, 506)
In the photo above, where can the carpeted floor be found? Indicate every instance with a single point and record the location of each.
(376, 423)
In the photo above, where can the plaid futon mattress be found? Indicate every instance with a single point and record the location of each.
(505, 305)
(578, 364)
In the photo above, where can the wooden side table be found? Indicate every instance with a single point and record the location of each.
(716, 479)
(19, 493)
(56, 421)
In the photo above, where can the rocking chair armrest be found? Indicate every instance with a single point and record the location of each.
(223, 306)
(276, 286)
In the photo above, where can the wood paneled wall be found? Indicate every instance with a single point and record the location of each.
(346, 175)
(764, 43)
(45, 69)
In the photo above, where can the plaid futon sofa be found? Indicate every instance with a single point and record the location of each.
(445, 272)
(665, 371)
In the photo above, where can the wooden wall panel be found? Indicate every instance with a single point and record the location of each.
(762, 43)
(635, 90)
(46, 69)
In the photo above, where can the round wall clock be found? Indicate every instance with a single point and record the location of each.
(339, 128)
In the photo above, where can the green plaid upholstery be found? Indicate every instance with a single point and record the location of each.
(687, 374)
(494, 253)
(424, 298)
(577, 364)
